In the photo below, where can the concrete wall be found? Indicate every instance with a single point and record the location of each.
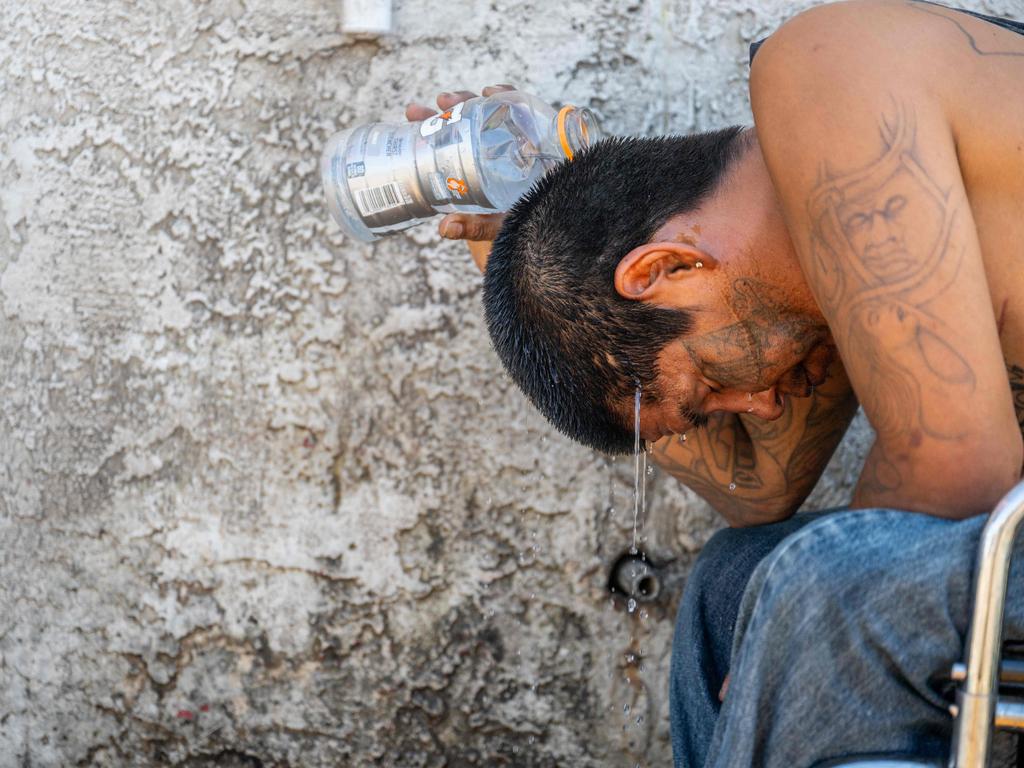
(266, 497)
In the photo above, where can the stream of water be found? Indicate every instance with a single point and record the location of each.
(639, 472)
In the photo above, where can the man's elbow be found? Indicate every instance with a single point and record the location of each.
(996, 482)
(973, 482)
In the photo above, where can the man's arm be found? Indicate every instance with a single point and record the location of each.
(753, 471)
(861, 152)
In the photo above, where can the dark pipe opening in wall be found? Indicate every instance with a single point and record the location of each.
(633, 575)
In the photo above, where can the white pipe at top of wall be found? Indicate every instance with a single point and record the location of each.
(366, 17)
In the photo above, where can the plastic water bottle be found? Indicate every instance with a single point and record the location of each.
(480, 156)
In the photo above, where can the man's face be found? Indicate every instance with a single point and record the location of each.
(756, 355)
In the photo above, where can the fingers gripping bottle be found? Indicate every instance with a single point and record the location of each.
(480, 156)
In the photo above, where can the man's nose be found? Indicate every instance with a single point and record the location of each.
(765, 404)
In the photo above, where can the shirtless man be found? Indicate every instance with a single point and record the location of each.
(862, 243)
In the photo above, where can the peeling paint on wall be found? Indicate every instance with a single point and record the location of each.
(266, 497)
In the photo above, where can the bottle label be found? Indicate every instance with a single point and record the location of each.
(434, 124)
(373, 200)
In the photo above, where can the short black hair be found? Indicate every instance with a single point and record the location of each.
(571, 343)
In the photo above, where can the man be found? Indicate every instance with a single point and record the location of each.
(861, 243)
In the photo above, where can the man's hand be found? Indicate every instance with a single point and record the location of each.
(478, 230)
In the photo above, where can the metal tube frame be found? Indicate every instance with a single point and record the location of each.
(977, 700)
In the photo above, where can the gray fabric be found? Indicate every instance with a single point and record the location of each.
(844, 639)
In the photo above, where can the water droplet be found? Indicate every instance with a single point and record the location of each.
(732, 486)
(682, 438)
(625, 708)
(640, 719)
(531, 740)
(631, 605)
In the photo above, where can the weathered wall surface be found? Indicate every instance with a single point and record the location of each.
(266, 498)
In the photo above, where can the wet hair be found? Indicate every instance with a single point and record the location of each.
(575, 347)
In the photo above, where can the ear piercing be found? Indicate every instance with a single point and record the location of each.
(698, 264)
(750, 399)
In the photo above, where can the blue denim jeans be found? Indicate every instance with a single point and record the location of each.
(838, 631)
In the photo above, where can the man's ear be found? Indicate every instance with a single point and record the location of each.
(652, 269)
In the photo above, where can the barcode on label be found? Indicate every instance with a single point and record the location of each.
(377, 199)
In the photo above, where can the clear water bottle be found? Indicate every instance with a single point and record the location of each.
(480, 156)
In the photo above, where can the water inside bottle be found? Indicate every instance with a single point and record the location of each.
(515, 150)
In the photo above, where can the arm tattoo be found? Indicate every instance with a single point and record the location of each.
(756, 469)
(825, 431)
(718, 463)
(886, 244)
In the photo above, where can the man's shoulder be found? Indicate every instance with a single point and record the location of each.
(823, 49)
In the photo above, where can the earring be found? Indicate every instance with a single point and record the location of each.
(698, 264)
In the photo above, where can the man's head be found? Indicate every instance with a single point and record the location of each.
(636, 265)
